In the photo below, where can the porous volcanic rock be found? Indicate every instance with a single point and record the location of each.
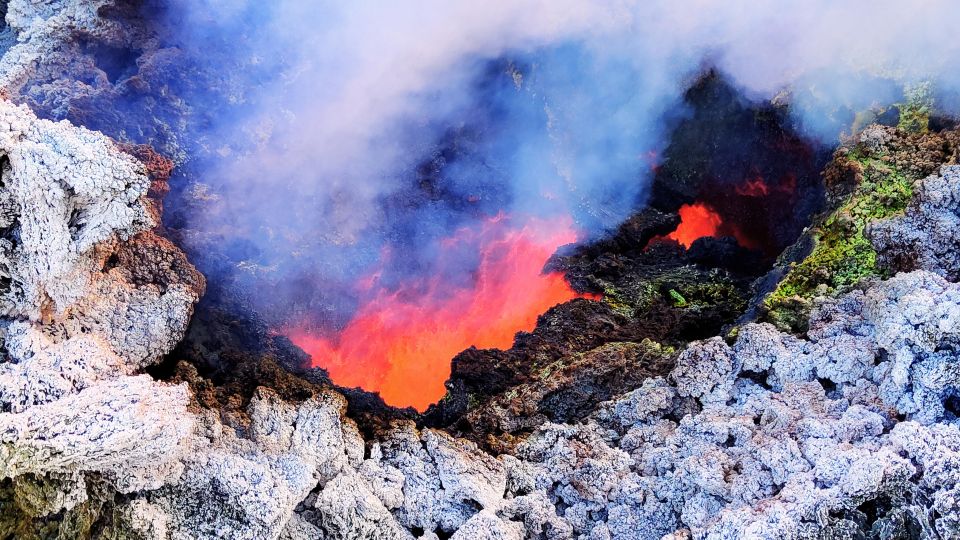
(89, 296)
(99, 64)
(850, 431)
(82, 294)
(927, 235)
(246, 485)
(92, 296)
(881, 218)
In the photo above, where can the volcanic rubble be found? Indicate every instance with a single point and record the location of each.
(828, 408)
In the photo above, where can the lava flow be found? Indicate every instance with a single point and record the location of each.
(700, 220)
(401, 340)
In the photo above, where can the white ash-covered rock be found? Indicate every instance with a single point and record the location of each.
(79, 321)
(247, 487)
(774, 437)
(927, 235)
(76, 242)
(130, 429)
(40, 35)
(66, 191)
(92, 296)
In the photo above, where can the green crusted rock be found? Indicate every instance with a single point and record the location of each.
(869, 181)
(51, 507)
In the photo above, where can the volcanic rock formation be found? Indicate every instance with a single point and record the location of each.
(928, 234)
(850, 428)
(833, 416)
(97, 64)
(90, 297)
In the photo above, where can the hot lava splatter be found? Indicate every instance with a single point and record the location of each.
(697, 220)
(700, 220)
(401, 340)
(737, 212)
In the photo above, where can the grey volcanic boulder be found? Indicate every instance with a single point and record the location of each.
(928, 234)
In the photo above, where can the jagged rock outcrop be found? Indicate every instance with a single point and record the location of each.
(928, 234)
(129, 429)
(871, 180)
(79, 320)
(247, 487)
(91, 296)
(773, 437)
(101, 64)
(76, 307)
(53, 44)
(787, 444)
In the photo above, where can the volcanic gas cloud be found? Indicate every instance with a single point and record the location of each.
(401, 340)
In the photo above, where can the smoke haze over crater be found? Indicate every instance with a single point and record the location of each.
(345, 128)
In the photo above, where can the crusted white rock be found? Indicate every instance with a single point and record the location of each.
(927, 235)
(130, 430)
(42, 28)
(764, 439)
(72, 201)
(82, 311)
(247, 488)
(66, 190)
(347, 508)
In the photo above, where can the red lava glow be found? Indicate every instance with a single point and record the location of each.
(700, 220)
(696, 221)
(401, 341)
(753, 187)
(703, 219)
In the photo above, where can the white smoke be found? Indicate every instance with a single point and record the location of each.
(339, 101)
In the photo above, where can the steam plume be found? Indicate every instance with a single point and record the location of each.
(350, 126)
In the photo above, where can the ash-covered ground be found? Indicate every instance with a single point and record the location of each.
(805, 386)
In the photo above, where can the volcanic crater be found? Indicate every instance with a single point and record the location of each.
(767, 342)
(648, 291)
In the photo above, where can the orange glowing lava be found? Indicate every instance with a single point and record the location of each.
(696, 221)
(701, 219)
(401, 341)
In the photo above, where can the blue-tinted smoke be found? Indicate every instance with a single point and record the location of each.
(344, 128)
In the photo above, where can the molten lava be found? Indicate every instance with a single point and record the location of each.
(697, 220)
(700, 220)
(738, 211)
(401, 340)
